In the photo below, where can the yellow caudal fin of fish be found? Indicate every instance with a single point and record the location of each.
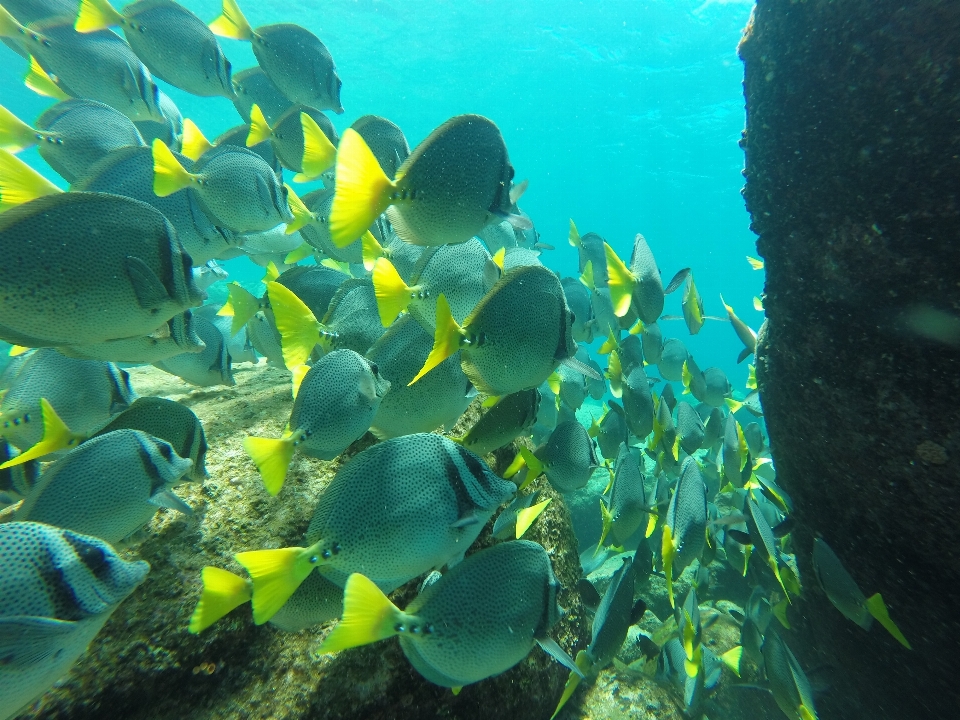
(668, 551)
(299, 372)
(527, 516)
(553, 382)
(368, 616)
(97, 15)
(780, 612)
(752, 377)
(13, 352)
(608, 345)
(498, 258)
(260, 129)
(20, 183)
(276, 575)
(731, 658)
(573, 237)
(15, 135)
(42, 84)
(757, 304)
(298, 327)
(393, 294)
(755, 263)
(878, 609)
(272, 457)
(169, 176)
(573, 681)
(302, 216)
(518, 463)
(651, 524)
(692, 649)
(806, 713)
(620, 281)
(231, 23)
(319, 154)
(637, 328)
(733, 404)
(302, 252)
(241, 304)
(606, 522)
(371, 250)
(222, 592)
(362, 191)
(586, 277)
(534, 466)
(56, 436)
(271, 272)
(686, 377)
(446, 338)
(194, 142)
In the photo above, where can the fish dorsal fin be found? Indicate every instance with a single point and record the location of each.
(151, 293)
(319, 154)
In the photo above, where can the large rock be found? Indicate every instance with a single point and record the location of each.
(852, 146)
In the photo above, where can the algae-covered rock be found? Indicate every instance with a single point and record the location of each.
(145, 664)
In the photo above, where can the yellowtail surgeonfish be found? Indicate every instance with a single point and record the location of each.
(625, 510)
(744, 333)
(788, 682)
(503, 423)
(685, 524)
(568, 458)
(453, 184)
(254, 87)
(303, 139)
(479, 619)
(395, 511)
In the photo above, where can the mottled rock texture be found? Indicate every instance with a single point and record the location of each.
(853, 176)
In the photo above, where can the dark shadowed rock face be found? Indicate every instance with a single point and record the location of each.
(853, 177)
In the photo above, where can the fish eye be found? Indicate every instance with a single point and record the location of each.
(373, 368)
(166, 451)
(91, 556)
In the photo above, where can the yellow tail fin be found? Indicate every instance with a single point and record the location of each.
(608, 345)
(446, 338)
(620, 281)
(757, 304)
(527, 516)
(878, 609)
(56, 436)
(270, 273)
(668, 551)
(260, 129)
(15, 135)
(272, 458)
(14, 351)
(299, 372)
(169, 176)
(194, 143)
(222, 592)
(302, 252)
(276, 575)
(573, 681)
(553, 382)
(368, 616)
(515, 466)
(319, 154)
(498, 258)
(232, 23)
(371, 249)
(362, 190)
(97, 15)
(299, 328)
(651, 524)
(586, 277)
(302, 216)
(534, 466)
(615, 375)
(755, 263)
(780, 612)
(607, 523)
(20, 183)
(574, 236)
(392, 292)
(686, 377)
(241, 304)
(37, 80)
(731, 658)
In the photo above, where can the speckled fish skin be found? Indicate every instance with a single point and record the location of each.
(86, 394)
(613, 431)
(717, 387)
(174, 337)
(573, 387)
(690, 428)
(336, 402)
(628, 501)
(316, 285)
(504, 422)
(511, 351)
(353, 316)
(299, 65)
(578, 298)
(788, 682)
(237, 137)
(254, 87)
(168, 128)
(459, 179)
(57, 589)
(839, 586)
(652, 341)
(98, 66)
(517, 257)
(569, 457)
(316, 601)
(648, 290)
(138, 278)
(638, 403)
(28, 11)
(612, 619)
(462, 273)
(170, 421)
(630, 352)
(85, 132)
(687, 515)
(178, 47)
(317, 234)
(129, 172)
(607, 322)
(484, 615)
(731, 451)
(240, 190)
(497, 236)
(287, 135)
(385, 140)
(673, 355)
(265, 338)
(712, 428)
(109, 487)
(403, 507)
(210, 367)
(438, 399)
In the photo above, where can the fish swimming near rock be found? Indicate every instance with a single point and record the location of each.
(395, 511)
(515, 519)
(335, 403)
(788, 682)
(292, 57)
(639, 285)
(744, 333)
(57, 589)
(504, 422)
(478, 620)
(453, 184)
(626, 508)
(109, 487)
(568, 458)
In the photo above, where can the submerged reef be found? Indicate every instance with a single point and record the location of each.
(852, 183)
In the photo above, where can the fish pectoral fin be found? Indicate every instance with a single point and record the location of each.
(222, 592)
(466, 521)
(368, 616)
(170, 500)
(878, 609)
(581, 367)
(28, 642)
(578, 668)
(150, 292)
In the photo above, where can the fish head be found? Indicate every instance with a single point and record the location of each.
(98, 577)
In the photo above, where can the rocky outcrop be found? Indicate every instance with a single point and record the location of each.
(853, 177)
